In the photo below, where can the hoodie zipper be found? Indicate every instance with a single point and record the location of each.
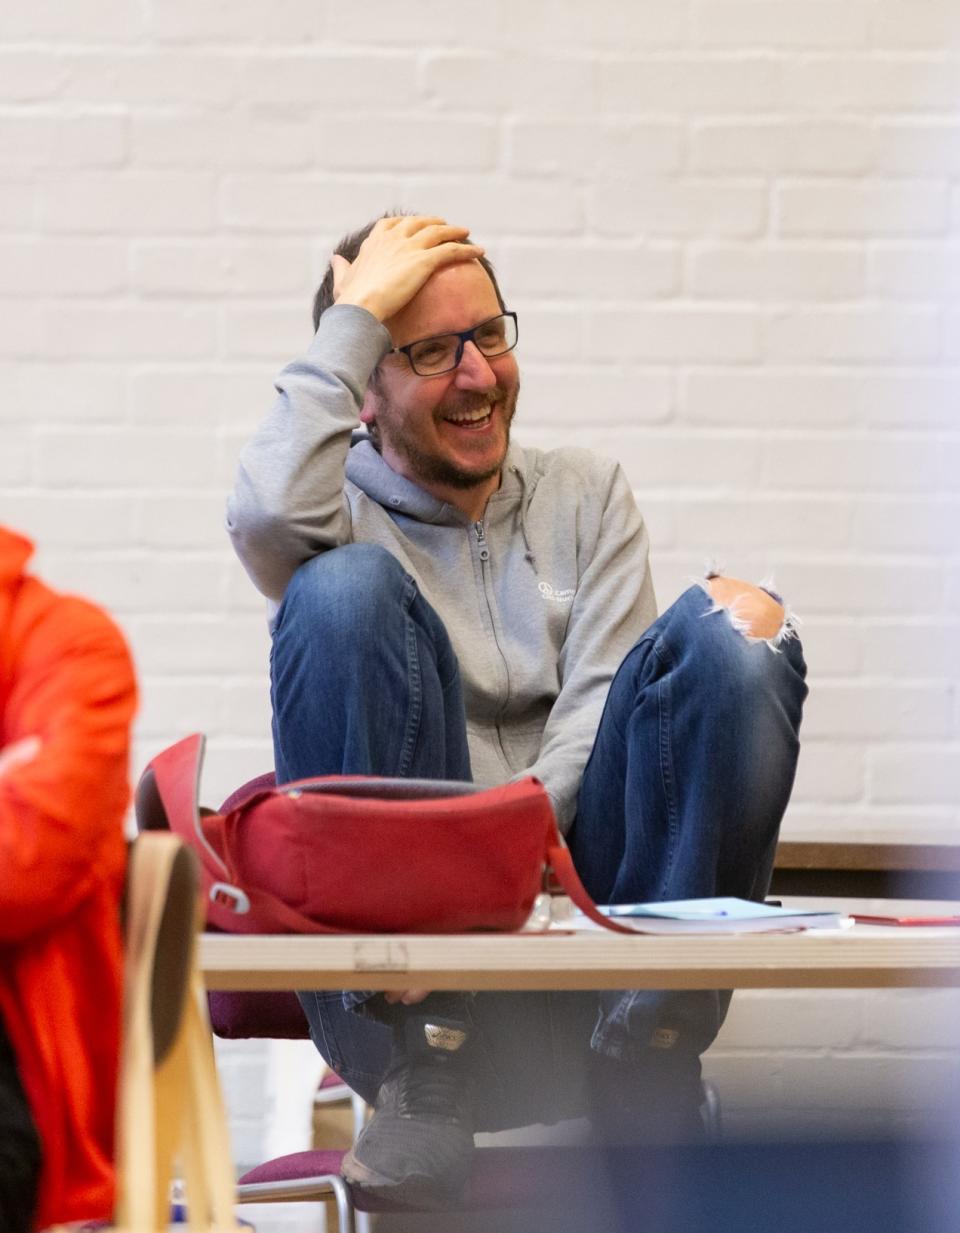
(483, 551)
(481, 541)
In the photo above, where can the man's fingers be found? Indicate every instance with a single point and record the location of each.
(425, 229)
(450, 253)
(407, 997)
(410, 224)
(440, 233)
(396, 259)
(421, 229)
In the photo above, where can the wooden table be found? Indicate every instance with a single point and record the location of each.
(862, 957)
(872, 870)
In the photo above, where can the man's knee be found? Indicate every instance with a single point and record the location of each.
(345, 585)
(753, 611)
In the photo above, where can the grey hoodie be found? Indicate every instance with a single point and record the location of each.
(542, 599)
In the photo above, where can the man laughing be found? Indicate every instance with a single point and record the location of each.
(445, 604)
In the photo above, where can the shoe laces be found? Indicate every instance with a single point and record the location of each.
(431, 1089)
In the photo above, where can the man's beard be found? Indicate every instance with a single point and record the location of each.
(434, 469)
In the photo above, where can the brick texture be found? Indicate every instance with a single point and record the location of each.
(732, 231)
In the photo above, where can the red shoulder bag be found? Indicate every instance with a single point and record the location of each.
(344, 854)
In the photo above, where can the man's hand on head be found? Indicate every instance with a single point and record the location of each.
(396, 259)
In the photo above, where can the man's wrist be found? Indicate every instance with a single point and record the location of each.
(353, 305)
(373, 304)
(350, 335)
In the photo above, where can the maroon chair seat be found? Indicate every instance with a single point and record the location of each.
(256, 1015)
(294, 1167)
(514, 1178)
(331, 1085)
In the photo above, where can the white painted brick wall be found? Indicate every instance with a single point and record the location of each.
(732, 230)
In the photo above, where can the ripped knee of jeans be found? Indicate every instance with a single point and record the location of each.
(756, 612)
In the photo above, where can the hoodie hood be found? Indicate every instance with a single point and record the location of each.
(367, 470)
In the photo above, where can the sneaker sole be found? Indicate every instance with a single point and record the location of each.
(417, 1191)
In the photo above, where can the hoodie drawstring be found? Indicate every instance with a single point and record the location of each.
(528, 554)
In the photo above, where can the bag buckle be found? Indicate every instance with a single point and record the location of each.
(227, 896)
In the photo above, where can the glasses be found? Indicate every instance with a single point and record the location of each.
(429, 357)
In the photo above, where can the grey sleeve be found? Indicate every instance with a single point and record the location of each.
(614, 604)
(288, 502)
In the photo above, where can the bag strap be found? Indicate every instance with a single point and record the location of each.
(271, 914)
(561, 862)
(176, 778)
(176, 784)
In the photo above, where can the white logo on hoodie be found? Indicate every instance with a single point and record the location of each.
(557, 597)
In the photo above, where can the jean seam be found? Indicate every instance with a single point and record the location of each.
(414, 714)
(278, 755)
(333, 1056)
(668, 777)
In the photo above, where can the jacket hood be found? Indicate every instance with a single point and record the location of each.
(15, 552)
(367, 469)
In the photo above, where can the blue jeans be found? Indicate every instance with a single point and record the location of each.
(682, 796)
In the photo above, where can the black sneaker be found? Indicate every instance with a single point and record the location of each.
(417, 1147)
(651, 1099)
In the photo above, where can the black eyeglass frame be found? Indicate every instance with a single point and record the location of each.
(463, 337)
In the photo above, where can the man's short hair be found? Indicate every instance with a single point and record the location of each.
(349, 246)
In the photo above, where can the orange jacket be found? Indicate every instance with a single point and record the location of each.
(65, 678)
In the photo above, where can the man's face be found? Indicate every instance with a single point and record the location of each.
(448, 432)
